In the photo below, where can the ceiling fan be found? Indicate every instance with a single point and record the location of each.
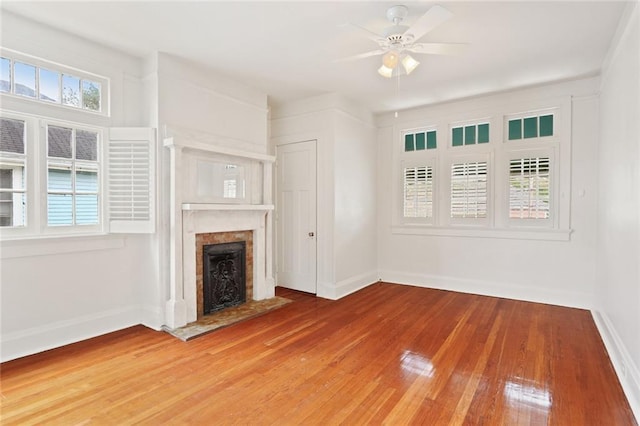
(397, 40)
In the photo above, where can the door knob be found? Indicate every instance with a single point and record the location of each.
(311, 234)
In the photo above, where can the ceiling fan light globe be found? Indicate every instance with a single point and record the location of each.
(390, 59)
(409, 64)
(385, 71)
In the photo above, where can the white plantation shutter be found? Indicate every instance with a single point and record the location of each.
(529, 188)
(418, 192)
(469, 190)
(131, 180)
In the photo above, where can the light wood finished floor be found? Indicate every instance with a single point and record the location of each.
(387, 354)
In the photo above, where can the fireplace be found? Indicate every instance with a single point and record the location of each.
(225, 259)
(194, 214)
(223, 276)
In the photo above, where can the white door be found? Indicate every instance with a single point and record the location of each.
(296, 216)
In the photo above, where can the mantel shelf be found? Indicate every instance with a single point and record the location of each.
(236, 207)
(214, 149)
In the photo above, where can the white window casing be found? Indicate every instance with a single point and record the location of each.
(537, 131)
(131, 180)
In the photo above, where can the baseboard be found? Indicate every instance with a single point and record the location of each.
(152, 317)
(628, 373)
(38, 339)
(345, 287)
(488, 288)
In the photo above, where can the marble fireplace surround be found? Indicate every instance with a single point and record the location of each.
(218, 219)
(190, 216)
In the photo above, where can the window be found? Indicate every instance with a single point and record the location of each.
(529, 188)
(73, 179)
(418, 192)
(12, 173)
(469, 190)
(499, 176)
(530, 127)
(470, 134)
(419, 141)
(39, 80)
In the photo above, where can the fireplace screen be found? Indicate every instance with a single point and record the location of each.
(223, 278)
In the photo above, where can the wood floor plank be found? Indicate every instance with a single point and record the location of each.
(388, 354)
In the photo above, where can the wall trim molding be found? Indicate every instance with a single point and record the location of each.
(628, 373)
(490, 288)
(347, 286)
(38, 339)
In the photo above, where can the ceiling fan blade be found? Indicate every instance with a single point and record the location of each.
(427, 22)
(364, 32)
(439, 48)
(362, 55)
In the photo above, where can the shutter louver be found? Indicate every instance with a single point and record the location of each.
(418, 192)
(529, 184)
(131, 180)
(469, 190)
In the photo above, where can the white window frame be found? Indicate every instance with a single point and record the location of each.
(47, 229)
(36, 181)
(497, 152)
(426, 157)
(430, 164)
(469, 222)
(553, 188)
(15, 56)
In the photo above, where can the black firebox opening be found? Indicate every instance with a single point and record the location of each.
(223, 276)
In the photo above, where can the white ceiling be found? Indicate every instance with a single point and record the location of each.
(288, 49)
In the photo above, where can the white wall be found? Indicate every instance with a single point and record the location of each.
(56, 291)
(346, 186)
(618, 248)
(355, 195)
(558, 272)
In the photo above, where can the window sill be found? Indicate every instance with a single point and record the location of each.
(49, 245)
(503, 233)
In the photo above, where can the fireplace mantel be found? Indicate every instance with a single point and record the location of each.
(189, 216)
(226, 207)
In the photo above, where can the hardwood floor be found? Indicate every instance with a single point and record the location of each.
(386, 354)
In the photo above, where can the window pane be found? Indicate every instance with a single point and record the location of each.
(11, 135)
(531, 127)
(86, 209)
(59, 209)
(515, 129)
(420, 141)
(5, 75)
(59, 141)
(408, 143)
(456, 136)
(86, 145)
(70, 90)
(87, 181)
(49, 85)
(469, 190)
(418, 192)
(483, 133)
(12, 209)
(91, 95)
(546, 125)
(431, 140)
(59, 178)
(12, 176)
(529, 183)
(25, 79)
(470, 135)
